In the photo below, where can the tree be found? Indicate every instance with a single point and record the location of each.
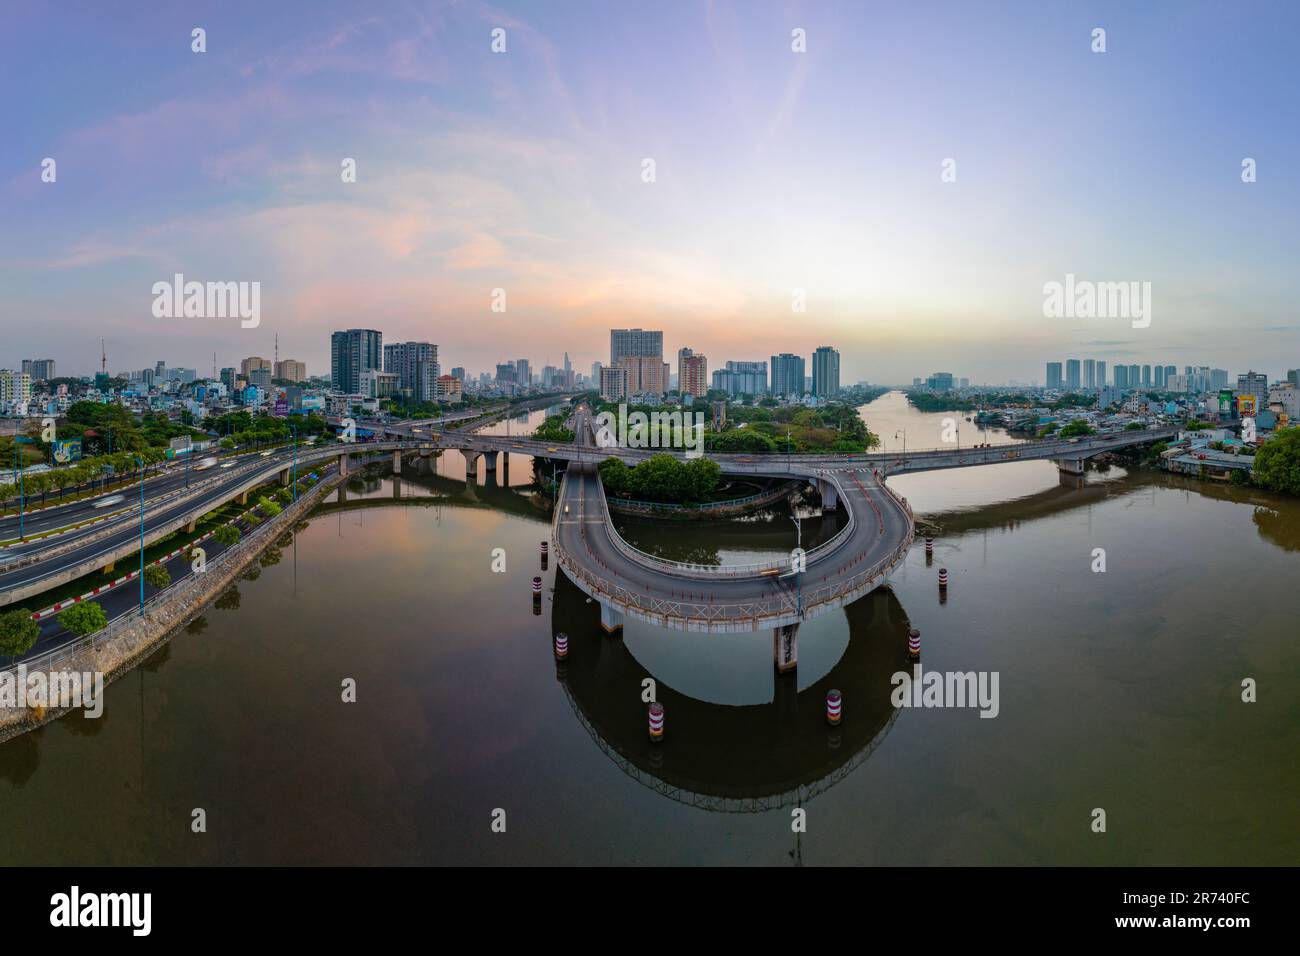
(227, 535)
(84, 617)
(1277, 462)
(268, 507)
(18, 632)
(1076, 428)
(157, 577)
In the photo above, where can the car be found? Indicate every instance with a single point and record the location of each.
(110, 500)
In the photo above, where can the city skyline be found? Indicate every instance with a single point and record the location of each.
(517, 171)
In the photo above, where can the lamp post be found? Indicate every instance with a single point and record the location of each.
(294, 429)
(141, 462)
(798, 573)
(18, 472)
(903, 431)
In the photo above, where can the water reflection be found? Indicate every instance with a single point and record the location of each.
(725, 757)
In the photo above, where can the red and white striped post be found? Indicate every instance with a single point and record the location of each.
(914, 644)
(929, 546)
(656, 723)
(545, 553)
(561, 646)
(943, 579)
(834, 707)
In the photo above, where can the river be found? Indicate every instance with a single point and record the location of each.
(1119, 690)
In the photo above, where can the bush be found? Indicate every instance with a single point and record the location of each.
(157, 577)
(268, 507)
(83, 618)
(1277, 462)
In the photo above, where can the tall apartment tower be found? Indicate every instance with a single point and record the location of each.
(636, 343)
(826, 372)
(1053, 374)
(787, 374)
(692, 374)
(1072, 373)
(352, 352)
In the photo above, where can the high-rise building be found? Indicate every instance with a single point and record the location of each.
(1146, 376)
(635, 342)
(1158, 378)
(646, 374)
(352, 352)
(408, 360)
(1134, 376)
(448, 388)
(1171, 371)
(742, 378)
(692, 374)
(939, 382)
(458, 374)
(228, 377)
(15, 387)
(1054, 375)
(505, 373)
(1121, 376)
(291, 370)
(787, 374)
(1089, 373)
(523, 373)
(613, 383)
(1101, 374)
(261, 377)
(826, 372)
(1072, 373)
(40, 370)
(1254, 383)
(250, 363)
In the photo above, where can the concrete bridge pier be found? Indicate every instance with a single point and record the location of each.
(1070, 466)
(830, 498)
(785, 648)
(611, 618)
(397, 462)
(343, 464)
(471, 464)
(284, 478)
(505, 470)
(491, 457)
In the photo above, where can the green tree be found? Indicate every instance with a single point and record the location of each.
(1277, 462)
(227, 535)
(18, 632)
(1076, 428)
(157, 577)
(84, 617)
(268, 507)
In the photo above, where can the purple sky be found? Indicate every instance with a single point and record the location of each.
(775, 171)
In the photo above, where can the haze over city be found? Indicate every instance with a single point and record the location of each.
(775, 171)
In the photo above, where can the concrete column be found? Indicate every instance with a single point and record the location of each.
(243, 498)
(192, 526)
(343, 464)
(830, 499)
(1071, 466)
(397, 462)
(505, 469)
(785, 648)
(611, 618)
(471, 464)
(284, 478)
(491, 460)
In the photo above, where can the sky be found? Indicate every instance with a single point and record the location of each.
(777, 174)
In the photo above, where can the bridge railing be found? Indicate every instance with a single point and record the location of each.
(716, 571)
(779, 606)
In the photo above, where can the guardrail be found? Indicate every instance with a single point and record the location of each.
(780, 607)
(714, 571)
(50, 660)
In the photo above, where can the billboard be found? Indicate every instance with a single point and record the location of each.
(66, 450)
(1225, 401)
(1246, 404)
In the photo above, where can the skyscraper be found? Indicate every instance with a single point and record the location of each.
(351, 353)
(635, 342)
(787, 374)
(1053, 374)
(692, 374)
(1072, 373)
(826, 372)
(416, 365)
(1101, 374)
(1089, 373)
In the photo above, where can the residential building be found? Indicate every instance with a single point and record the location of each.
(352, 352)
(1054, 378)
(787, 375)
(613, 383)
(826, 372)
(291, 370)
(692, 374)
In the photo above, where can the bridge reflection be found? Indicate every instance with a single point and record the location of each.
(737, 759)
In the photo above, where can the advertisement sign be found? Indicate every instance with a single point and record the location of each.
(66, 450)
(1225, 401)
(1246, 405)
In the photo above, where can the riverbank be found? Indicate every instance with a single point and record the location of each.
(130, 640)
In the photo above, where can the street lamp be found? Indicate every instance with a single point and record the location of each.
(294, 429)
(903, 431)
(141, 463)
(798, 575)
(18, 473)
